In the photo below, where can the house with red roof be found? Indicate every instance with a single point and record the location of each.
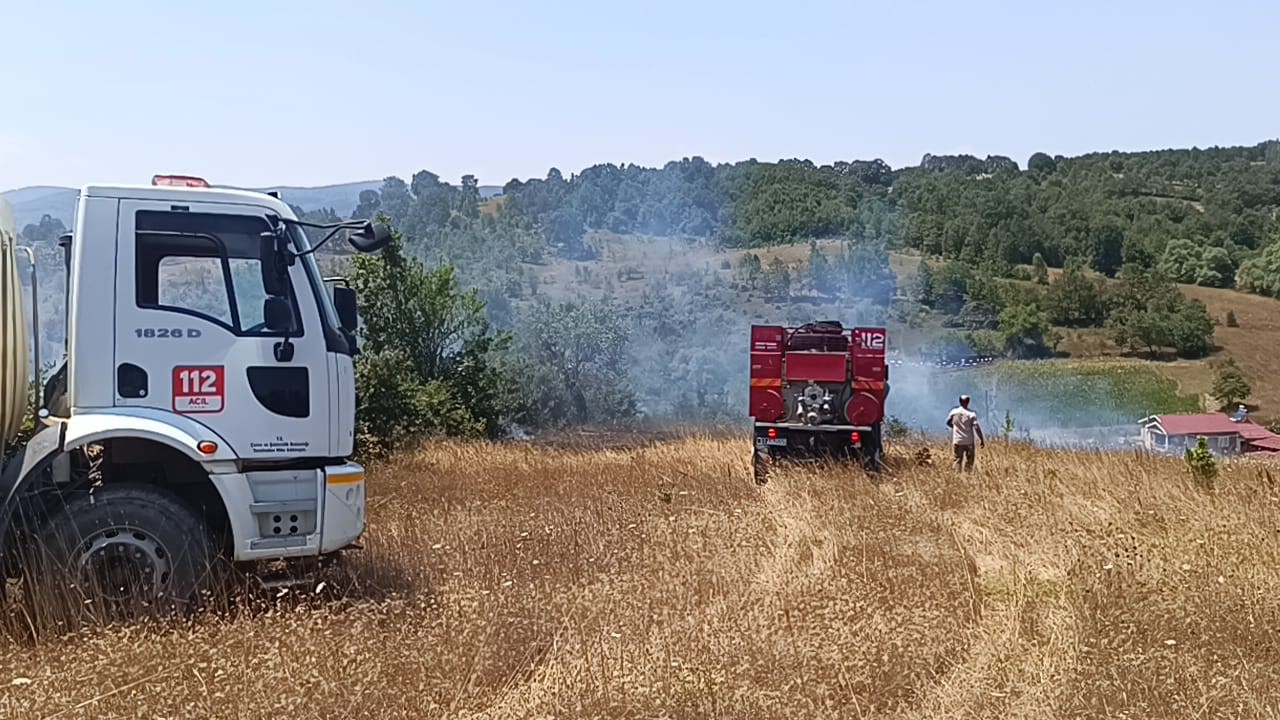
(1225, 434)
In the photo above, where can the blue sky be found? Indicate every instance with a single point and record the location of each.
(253, 93)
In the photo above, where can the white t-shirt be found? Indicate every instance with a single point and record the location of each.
(963, 422)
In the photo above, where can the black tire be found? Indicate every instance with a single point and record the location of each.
(873, 456)
(124, 552)
(760, 468)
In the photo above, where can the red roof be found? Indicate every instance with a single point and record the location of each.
(1209, 424)
(1220, 424)
(1270, 443)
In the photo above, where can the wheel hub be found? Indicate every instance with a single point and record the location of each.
(122, 564)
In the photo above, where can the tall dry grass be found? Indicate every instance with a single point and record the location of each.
(506, 581)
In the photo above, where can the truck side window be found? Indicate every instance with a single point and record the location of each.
(206, 265)
(195, 284)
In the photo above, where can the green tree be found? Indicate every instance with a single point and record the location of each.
(1216, 268)
(1027, 332)
(1180, 261)
(1041, 163)
(1230, 385)
(776, 280)
(951, 287)
(1148, 312)
(1108, 248)
(861, 270)
(750, 269)
(1191, 329)
(922, 288)
(819, 270)
(425, 338)
(977, 315)
(1261, 275)
(1039, 270)
(574, 359)
(1074, 301)
(1189, 262)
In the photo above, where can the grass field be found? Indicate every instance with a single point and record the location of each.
(507, 581)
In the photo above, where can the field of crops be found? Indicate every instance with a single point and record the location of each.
(656, 580)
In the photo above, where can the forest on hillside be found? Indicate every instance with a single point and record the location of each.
(1205, 217)
(987, 232)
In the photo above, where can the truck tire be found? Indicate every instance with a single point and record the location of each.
(760, 467)
(873, 456)
(121, 553)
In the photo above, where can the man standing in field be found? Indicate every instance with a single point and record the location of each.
(964, 429)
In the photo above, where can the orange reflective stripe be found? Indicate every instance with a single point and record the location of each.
(766, 382)
(868, 384)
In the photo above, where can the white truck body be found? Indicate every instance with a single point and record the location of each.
(182, 337)
(208, 384)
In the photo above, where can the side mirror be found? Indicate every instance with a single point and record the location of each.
(273, 272)
(372, 237)
(344, 301)
(277, 313)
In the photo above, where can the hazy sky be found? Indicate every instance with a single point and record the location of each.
(254, 93)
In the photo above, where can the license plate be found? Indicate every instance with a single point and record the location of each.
(776, 441)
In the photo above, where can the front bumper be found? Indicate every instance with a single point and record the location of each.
(344, 505)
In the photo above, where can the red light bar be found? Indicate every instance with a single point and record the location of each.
(179, 181)
(855, 437)
(772, 433)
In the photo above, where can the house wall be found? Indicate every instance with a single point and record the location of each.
(1218, 444)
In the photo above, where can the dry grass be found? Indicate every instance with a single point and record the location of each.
(1253, 344)
(657, 581)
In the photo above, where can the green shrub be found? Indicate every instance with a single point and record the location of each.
(430, 362)
(1201, 465)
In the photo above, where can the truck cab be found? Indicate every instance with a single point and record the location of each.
(208, 386)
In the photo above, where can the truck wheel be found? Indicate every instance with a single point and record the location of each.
(873, 462)
(760, 468)
(122, 552)
(873, 458)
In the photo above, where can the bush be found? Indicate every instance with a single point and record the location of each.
(574, 362)
(395, 409)
(896, 429)
(431, 364)
(1027, 332)
(1231, 319)
(1201, 465)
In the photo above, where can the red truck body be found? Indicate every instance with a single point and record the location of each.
(817, 391)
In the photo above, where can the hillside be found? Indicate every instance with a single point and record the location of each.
(674, 255)
(655, 580)
(695, 279)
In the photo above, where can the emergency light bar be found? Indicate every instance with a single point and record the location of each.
(179, 181)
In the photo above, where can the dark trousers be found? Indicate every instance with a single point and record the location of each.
(964, 457)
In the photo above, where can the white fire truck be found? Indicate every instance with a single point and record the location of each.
(204, 411)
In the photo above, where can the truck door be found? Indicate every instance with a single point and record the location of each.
(191, 337)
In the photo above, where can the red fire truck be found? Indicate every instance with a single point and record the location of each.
(817, 393)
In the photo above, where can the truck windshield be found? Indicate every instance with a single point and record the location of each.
(302, 244)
